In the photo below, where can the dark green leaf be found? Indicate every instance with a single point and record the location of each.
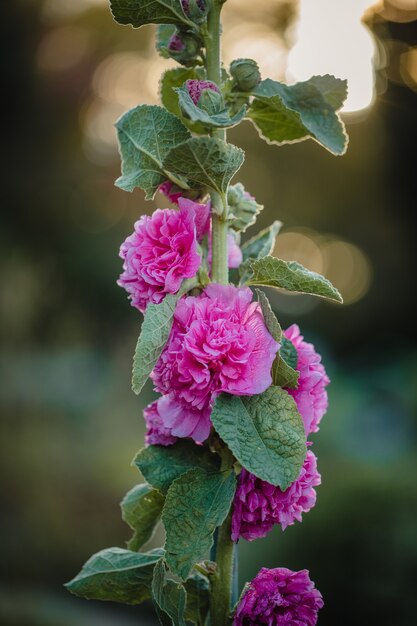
(288, 113)
(117, 575)
(271, 321)
(213, 119)
(168, 596)
(141, 509)
(140, 12)
(264, 432)
(289, 352)
(262, 243)
(196, 503)
(160, 465)
(154, 334)
(206, 162)
(291, 276)
(146, 135)
(197, 587)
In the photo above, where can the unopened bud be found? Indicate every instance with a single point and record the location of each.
(195, 9)
(245, 73)
(184, 47)
(243, 207)
(196, 87)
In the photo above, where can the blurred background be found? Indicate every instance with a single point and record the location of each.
(70, 424)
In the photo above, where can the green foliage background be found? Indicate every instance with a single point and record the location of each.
(69, 422)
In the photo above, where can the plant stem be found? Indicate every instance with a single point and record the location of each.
(219, 269)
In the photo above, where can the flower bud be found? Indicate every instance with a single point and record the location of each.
(196, 87)
(184, 47)
(195, 9)
(245, 73)
(243, 207)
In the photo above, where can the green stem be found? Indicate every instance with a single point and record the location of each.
(219, 269)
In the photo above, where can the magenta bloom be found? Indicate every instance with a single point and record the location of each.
(310, 395)
(218, 342)
(159, 254)
(280, 597)
(156, 433)
(258, 505)
(195, 87)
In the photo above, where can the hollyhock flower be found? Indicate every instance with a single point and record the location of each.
(310, 395)
(195, 87)
(279, 597)
(159, 254)
(171, 191)
(258, 505)
(218, 342)
(156, 433)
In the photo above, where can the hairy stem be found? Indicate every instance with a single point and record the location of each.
(220, 273)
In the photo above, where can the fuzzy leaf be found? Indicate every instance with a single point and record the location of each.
(289, 113)
(265, 433)
(334, 90)
(220, 119)
(141, 509)
(146, 135)
(154, 334)
(197, 587)
(168, 596)
(170, 80)
(291, 276)
(117, 575)
(262, 244)
(283, 374)
(161, 465)
(137, 12)
(206, 162)
(196, 503)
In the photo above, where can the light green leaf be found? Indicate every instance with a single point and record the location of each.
(137, 12)
(146, 135)
(196, 503)
(161, 465)
(291, 276)
(197, 587)
(117, 575)
(262, 244)
(141, 509)
(154, 334)
(168, 596)
(283, 374)
(288, 113)
(205, 161)
(213, 119)
(265, 433)
(334, 90)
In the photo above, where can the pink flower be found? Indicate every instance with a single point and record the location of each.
(310, 395)
(258, 505)
(159, 254)
(156, 434)
(171, 191)
(218, 342)
(279, 597)
(195, 87)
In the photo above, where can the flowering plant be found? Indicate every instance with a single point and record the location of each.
(226, 454)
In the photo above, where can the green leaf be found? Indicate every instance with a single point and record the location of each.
(168, 596)
(218, 119)
(197, 587)
(117, 575)
(265, 433)
(205, 161)
(196, 503)
(262, 244)
(146, 135)
(291, 276)
(141, 509)
(283, 372)
(137, 12)
(289, 113)
(161, 465)
(154, 334)
(164, 32)
(334, 90)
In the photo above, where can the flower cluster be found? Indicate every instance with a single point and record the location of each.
(258, 506)
(279, 597)
(218, 342)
